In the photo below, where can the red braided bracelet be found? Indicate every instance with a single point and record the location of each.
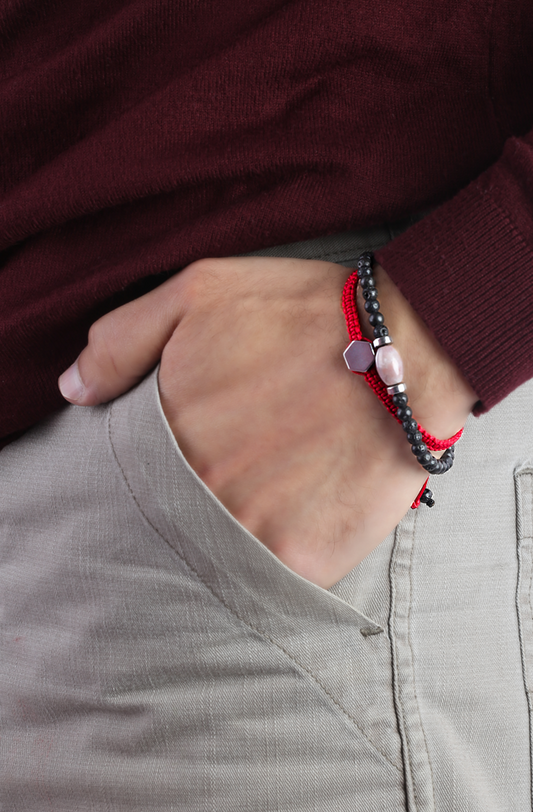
(373, 379)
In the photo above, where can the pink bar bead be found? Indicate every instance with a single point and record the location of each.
(389, 365)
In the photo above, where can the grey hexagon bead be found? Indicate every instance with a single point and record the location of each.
(359, 356)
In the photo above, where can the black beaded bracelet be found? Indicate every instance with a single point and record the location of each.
(398, 390)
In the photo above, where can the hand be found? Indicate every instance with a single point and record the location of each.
(257, 394)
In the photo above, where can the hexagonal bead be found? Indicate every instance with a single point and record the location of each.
(359, 356)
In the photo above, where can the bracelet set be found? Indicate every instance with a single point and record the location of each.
(382, 367)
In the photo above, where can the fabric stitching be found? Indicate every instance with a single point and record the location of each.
(521, 630)
(413, 664)
(398, 706)
(236, 614)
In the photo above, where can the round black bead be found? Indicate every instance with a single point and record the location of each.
(414, 437)
(403, 412)
(366, 256)
(372, 306)
(410, 424)
(368, 282)
(418, 449)
(427, 498)
(370, 293)
(400, 399)
(424, 458)
(364, 270)
(380, 331)
(375, 319)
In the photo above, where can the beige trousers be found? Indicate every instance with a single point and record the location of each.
(154, 656)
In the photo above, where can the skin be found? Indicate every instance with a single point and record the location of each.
(257, 394)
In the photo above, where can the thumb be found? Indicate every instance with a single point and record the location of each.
(123, 346)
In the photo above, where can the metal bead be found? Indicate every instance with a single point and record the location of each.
(382, 341)
(397, 389)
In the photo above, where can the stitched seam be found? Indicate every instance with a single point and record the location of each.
(413, 665)
(398, 706)
(520, 536)
(235, 613)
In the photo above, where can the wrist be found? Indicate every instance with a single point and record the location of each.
(439, 394)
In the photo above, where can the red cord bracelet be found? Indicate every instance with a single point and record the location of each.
(372, 377)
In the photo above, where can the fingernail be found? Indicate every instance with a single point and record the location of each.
(71, 385)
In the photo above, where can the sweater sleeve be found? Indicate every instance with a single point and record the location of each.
(467, 269)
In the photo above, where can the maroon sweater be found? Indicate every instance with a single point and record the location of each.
(139, 135)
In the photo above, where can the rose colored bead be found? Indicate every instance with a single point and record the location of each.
(389, 365)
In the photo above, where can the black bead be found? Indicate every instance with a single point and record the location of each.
(414, 437)
(427, 498)
(410, 424)
(372, 306)
(370, 293)
(403, 412)
(380, 331)
(400, 399)
(418, 449)
(366, 257)
(368, 282)
(425, 458)
(375, 319)
(365, 270)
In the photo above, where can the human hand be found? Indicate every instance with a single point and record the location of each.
(257, 394)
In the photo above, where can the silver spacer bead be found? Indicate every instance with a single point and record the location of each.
(380, 342)
(397, 389)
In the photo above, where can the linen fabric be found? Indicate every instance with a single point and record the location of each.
(156, 656)
(140, 135)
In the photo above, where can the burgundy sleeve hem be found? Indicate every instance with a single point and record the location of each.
(467, 271)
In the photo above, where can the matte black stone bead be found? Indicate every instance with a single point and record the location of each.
(414, 437)
(380, 331)
(427, 498)
(372, 306)
(410, 424)
(403, 412)
(375, 319)
(366, 256)
(364, 270)
(424, 458)
(368, 282)
(418, 449)
(431, 467)
(370, 293)
(400, 400)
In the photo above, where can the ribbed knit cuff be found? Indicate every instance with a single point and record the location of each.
(468, 272)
